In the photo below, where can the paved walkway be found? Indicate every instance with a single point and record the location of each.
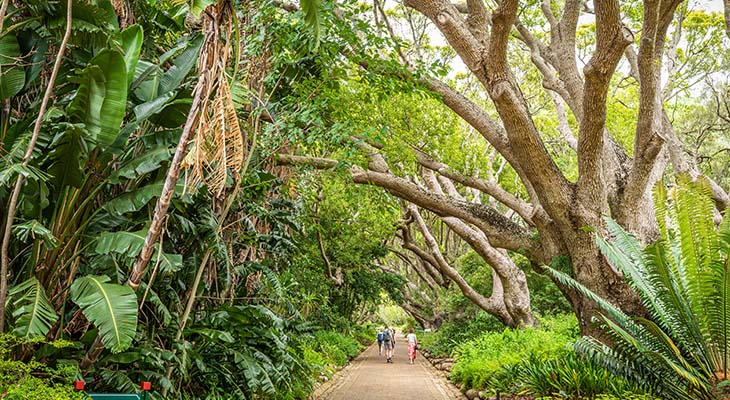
(369, 377)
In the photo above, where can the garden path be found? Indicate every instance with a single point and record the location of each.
(369, 377)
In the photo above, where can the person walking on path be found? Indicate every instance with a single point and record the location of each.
(412, 345)
(388, 344)
(380, 342)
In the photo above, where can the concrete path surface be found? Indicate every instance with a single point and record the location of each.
(369, 377)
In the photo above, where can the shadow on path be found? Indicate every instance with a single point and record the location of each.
(369, 377)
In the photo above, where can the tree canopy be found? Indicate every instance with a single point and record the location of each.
(197, 192)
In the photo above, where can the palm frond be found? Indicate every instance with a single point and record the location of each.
(683, 282)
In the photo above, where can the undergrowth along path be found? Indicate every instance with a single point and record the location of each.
(369, 377)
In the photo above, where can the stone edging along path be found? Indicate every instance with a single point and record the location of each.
(369, 377)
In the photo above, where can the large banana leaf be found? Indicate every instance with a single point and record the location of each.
(110, 307)
(181, 66)
(134, 200)
(131, 42)
(12, 77)
(69, 155)
(34, 315)
(130, 244)
(150, 80)
(122, 242)
(34, 230)
(101, 98)
(145, 163)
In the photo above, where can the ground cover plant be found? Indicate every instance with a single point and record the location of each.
(34, 380)
(479, 361)
(535, 362)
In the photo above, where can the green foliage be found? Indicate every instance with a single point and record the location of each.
(444, 341)
(392, 315)
(323, 351)
(33, 312)
(683, 281)
(248, 343)
(100, 101)
(536, 362)
(12, 76)
(336, 348)
(312, 15)
(33, 380)
(569, 376)
(350, 223)
(109, 306)
(480, 360)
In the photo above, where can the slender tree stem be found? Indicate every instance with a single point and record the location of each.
(154, 274)
(15, 194)
(3, 11)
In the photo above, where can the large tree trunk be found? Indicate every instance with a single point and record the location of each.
(591, 269)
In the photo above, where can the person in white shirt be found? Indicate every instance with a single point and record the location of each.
(412, 345)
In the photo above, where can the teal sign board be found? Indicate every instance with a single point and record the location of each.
(112, 396)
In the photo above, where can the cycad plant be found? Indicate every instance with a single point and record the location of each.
(681, 350)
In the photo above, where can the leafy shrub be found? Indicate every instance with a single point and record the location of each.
(537, 362)
(364, 334)
(480, 360)
(17, 380)
(570, 377)
(337, 347)
(444, 341)
(324, 350)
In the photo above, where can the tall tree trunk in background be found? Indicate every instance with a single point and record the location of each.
(124, 12)
(15, 194)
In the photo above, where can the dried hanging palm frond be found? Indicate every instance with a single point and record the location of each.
(253, 281)
(225, 147)
(219, 145)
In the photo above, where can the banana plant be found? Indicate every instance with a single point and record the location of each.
(90, 159)
(112, 308)
(12, 75)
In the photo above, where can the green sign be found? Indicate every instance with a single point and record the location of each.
(114, 396)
